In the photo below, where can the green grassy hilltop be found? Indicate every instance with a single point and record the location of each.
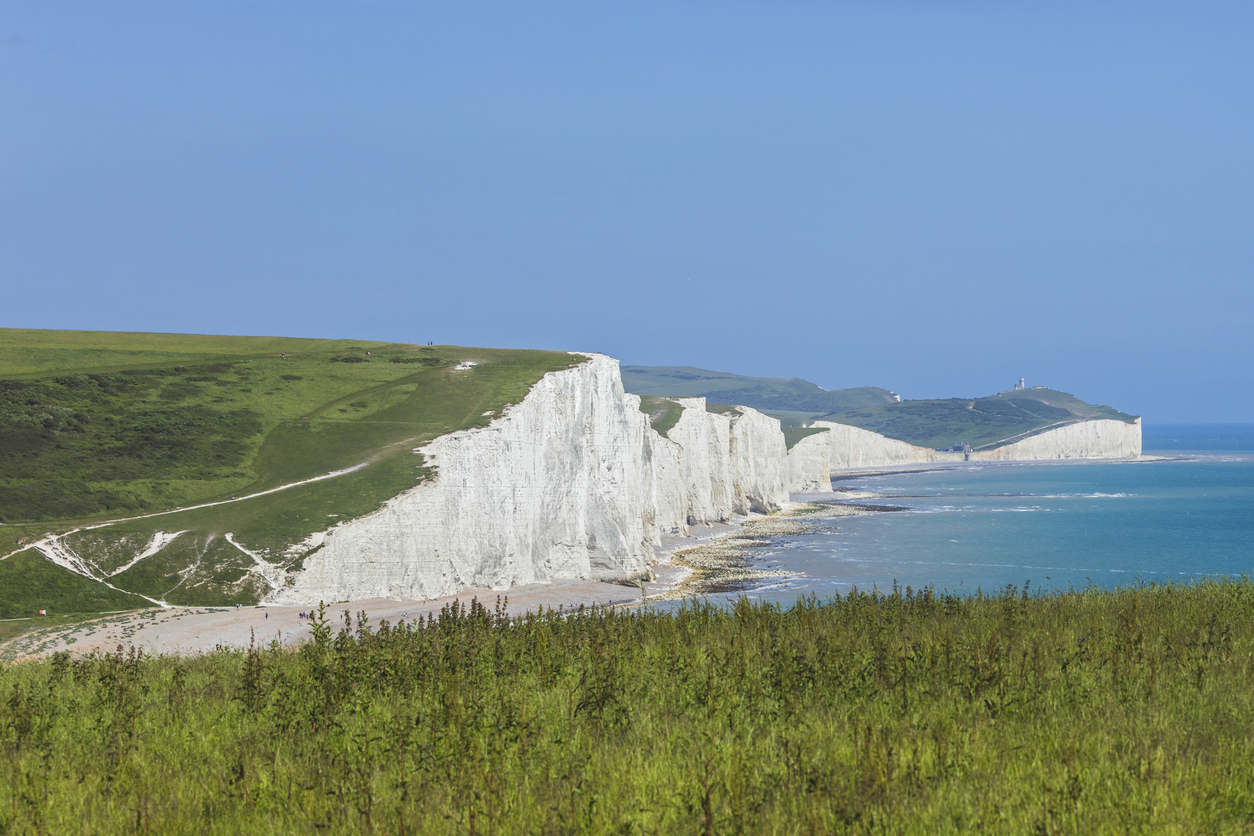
(980, 422)
(99, 426)
(768, 394)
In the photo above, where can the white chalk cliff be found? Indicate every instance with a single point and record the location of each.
(853, 447)
(574, 483)
(1101, 439)
(809, 464)
(570, 483)
(844, 447)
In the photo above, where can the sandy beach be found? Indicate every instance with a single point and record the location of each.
(712, 558)
(192, 630)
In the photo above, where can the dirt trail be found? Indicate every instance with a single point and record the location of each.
(48, 544)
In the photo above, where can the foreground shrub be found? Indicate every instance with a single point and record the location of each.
(1084, 712)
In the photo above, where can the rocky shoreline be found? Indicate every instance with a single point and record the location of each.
(727, 563)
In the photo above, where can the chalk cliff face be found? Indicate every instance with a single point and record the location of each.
(853, 447)
(705, 439)
(759, 463)
(570, 483)
(558, 487)
(809, 464)
(733, 463)
(1104, 439)
(844, 447)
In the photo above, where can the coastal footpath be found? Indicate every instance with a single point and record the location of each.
(574, 483)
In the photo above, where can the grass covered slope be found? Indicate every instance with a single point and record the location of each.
(980, 422)
(200, 419)
(32, 352)
(29, 582)
(77, 442)
(85, 437)
(775, 394)
(663, 413)
(1084, 712)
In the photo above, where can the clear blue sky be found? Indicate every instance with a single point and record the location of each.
(935, 197)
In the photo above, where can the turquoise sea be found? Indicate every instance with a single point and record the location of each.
(1056, 525)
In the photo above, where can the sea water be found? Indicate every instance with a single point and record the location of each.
(1053, 525)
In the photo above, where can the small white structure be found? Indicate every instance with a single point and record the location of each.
(1019, 387)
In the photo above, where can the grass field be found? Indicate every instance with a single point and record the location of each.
(1084, 712)
(663, 413)
(102, 426)
(29, 583)
(37, 353)
(979, 422)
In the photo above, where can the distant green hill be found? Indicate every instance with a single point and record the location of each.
(769, 394)
(980, 422)
(99, 426)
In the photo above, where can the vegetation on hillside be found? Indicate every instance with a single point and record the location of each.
(204, 419)
(1082, 712)
(761, 393)
(927, 423)
(663, 413)
(980, 422)
(28, 352)
(29, 582)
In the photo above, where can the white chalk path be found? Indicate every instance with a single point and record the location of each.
(1026, 433)
(52, 548)
(160, 539)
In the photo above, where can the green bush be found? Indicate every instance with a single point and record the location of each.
(1084, 712)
